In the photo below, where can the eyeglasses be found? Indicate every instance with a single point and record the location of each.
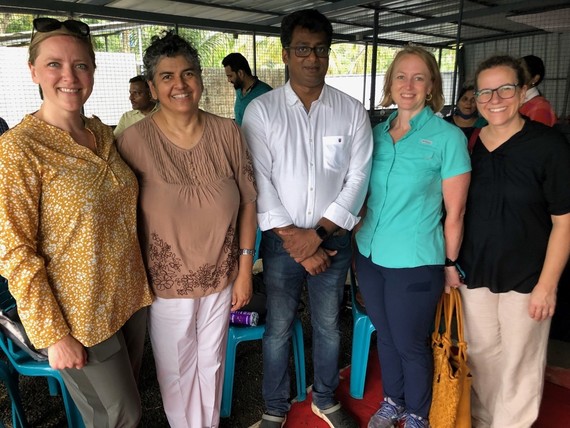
(504, 92)
(45, 25)
(305, 51)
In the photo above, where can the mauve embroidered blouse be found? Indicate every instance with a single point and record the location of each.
(189, 203)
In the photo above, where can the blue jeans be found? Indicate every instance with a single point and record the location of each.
(284, 279)
(401, 304)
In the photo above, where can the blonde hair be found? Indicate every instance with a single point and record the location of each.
(39, 37)
(437, 100)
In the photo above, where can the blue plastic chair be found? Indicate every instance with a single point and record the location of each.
(27, 366)
(361, 335)
(238, 333)
(10, 379)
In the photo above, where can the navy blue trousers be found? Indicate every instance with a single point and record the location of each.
(401, 304)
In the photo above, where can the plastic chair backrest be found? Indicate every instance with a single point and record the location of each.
(362, 329)
(257, 243)
(25, 365)
(7, 302)
(356, 306)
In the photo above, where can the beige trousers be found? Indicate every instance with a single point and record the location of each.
(507, 357)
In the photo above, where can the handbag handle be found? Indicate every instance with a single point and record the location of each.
(449, 304)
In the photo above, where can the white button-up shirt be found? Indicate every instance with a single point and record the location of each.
(308, 165)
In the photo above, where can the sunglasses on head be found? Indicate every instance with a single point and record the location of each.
(45, 25)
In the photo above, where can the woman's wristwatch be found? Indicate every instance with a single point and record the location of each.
(449, 262)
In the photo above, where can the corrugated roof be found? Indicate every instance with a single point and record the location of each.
(430, 22)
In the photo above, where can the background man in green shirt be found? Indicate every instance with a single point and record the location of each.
(246, 85)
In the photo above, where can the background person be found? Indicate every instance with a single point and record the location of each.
(142, 102)
(247, 86)
(197, 212)
(535, 106)
(516, 244)
(405, 255)
(317, 140)
(68, 242)
(465, 114)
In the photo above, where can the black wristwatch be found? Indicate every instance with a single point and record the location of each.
(449, 262)
(321, 232)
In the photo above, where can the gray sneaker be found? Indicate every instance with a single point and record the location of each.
(270, 421)
(335, 416)
(386, 416)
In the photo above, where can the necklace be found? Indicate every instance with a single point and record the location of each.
(249, 89)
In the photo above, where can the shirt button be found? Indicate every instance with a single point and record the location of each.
(309, 213)
(311, 189)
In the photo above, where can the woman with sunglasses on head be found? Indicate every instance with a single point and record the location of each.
(197, 226)
(515, 246)
(406, 254)
(68, 241)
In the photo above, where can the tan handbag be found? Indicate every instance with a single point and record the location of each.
(451, 402)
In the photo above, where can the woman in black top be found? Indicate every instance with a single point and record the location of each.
(516, 244)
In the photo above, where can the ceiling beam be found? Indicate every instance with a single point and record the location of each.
(524, 6)
(332, 7)
(106, 12)
(95, 11)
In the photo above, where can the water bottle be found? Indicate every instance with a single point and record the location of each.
(244, 317)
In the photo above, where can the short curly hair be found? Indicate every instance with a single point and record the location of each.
(170, 45)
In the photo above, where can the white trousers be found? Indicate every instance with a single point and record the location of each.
(188, 339)
(507, 356)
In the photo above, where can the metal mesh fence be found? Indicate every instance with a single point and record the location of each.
(120, 45)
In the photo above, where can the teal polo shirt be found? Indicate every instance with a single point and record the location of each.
(402, 227)
(242, 101)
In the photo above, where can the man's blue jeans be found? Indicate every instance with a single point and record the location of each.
(284, 279)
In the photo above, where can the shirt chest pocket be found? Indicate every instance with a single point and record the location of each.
(335, 151)
(420, 163)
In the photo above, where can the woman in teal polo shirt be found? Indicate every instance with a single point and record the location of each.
(420, 165)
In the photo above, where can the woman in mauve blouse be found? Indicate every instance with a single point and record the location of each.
(197, 226)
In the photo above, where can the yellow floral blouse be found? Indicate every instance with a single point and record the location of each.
(68, 241)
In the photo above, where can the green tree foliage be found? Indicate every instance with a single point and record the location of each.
(213, 46)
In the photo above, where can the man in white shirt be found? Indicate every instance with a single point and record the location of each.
(311, 146)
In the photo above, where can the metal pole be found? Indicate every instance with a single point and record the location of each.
(374, 58)
(254, 55)
(457, 42)
(365, 69)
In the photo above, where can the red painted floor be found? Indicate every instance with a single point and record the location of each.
(554, 413)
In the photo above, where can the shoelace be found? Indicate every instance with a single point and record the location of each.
(388, 411)
(414, 422)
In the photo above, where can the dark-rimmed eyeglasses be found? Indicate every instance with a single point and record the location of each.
(504, 92)
(305, 51)
(45, 25)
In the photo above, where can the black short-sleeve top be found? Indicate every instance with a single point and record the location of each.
(514, 191)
